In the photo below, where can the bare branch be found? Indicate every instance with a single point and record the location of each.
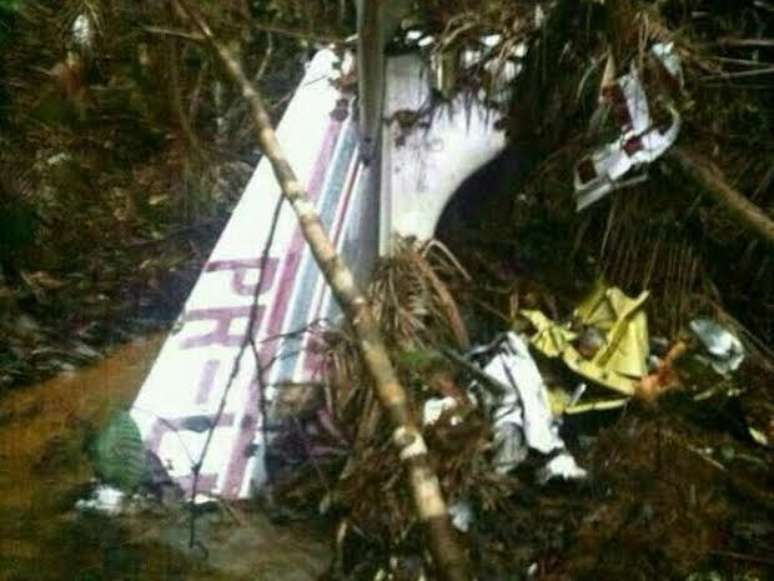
(711, 179)
(449, 557)
(174, 33)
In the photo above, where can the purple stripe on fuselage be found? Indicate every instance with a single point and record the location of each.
(310, 358)
(308, 291)
(235, 472)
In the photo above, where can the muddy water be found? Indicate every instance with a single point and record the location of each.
(44, 469)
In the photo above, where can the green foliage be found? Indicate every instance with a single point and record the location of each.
(17, 227)
(420, 360)
(9, 5)
(7, 16)
(320, 17)
(119, 454)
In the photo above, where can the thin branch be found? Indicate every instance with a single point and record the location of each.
(183, 231)
(450, 559)
(320, 38)
(741, 74)
(266, 58)
(249, 341)
(746, 42)
(741, 62)
(195, 100)
(176, 100)
(487, 382)
(175, 33)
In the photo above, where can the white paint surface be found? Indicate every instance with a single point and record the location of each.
(184, 390)
(421, 168)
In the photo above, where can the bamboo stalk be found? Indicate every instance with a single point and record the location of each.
(448, 555)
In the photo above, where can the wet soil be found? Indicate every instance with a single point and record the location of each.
(44, 469)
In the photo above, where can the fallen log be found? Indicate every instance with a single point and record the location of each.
(448, 555)
(711, 179)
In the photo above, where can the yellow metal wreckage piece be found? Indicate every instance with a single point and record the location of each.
(619, 362)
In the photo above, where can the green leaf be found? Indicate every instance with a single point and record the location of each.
(119, 453)
(420, 359)
(10, 5)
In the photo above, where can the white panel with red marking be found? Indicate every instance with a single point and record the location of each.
(197, 370)
(423, 165)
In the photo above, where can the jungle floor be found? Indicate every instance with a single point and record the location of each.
(117, 205)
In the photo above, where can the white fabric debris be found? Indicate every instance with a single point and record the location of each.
(204, 499)
(562, 466)
(347, 65)
(520, 50)
(526, 405)
(759, 437)
(461, 513)
(540, 16)
(470, 58)
(521, 417)
(58, 158)
(491, 40)
(104, 499)
(511, 448)
(435, 407)
(503, 73)
(83, 31)
(725, 350)
(665, 52)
